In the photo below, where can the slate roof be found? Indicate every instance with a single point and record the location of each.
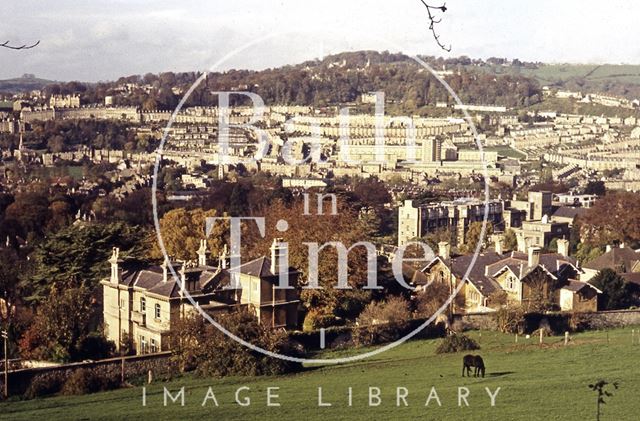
(618, 259)
(261, 267)
(577, 286)
(200, 280)
(568, 212)
(555, 263)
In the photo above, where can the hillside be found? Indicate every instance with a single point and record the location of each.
(24, 83)
(536, 383)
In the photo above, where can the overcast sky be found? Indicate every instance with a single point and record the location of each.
(102, 40)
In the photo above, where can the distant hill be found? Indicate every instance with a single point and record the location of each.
(25, 83)
(617, 79)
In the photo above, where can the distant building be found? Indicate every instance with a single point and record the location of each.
(64, 101)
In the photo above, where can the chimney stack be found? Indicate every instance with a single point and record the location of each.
(165, 270)
(563, 247)
(534, 256)
(279, 256)
(202, 253)
(114, 264)
(183, 278)
(444, 249)
(498, 244)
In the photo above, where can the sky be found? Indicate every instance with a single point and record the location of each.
(105, 39)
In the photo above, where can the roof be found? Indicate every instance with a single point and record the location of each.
(488, 265)
(577, 286)
(200, 280)
(568, 212)
(261, 268)
(620, 259)
(633, 277)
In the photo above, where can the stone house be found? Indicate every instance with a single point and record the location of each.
(142, 303)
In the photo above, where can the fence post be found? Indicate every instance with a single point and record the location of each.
(540, 336)
(516, 337)
(566, 338)
(122, 370)
(149, 377)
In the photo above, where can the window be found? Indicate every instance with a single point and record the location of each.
(154, 346)
(143, 345)
(121, 302)
(511, 283)
(157, 308)
(143, 305)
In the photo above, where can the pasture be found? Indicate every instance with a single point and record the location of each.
(548, 382)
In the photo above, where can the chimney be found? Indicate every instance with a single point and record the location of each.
(534, 256)
(498, 244)
(114, 264)
(202, 253)
(444, 249)
(563, 247)
(165, 270)
(279, 256)
(222, 261)
(183, 278)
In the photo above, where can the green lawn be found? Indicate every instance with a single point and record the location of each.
(548, 383)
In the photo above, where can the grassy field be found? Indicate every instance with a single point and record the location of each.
(536, 383)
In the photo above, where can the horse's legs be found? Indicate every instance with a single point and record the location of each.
(464, 366)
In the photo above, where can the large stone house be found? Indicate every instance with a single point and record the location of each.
(142, 303)
(525, 278)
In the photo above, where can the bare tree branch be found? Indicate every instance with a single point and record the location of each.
(7, 44)
(433, 22)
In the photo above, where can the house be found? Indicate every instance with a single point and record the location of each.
(143, 303)
(526, 278)
(618, 258)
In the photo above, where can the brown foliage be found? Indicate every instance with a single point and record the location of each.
(613, 217)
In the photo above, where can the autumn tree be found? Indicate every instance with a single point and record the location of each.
(344, 227)
(473, 237)
(62, 326)
(510, 241)
(183, 229)
(614, 217)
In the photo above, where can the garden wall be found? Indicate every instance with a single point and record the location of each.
(52, 378)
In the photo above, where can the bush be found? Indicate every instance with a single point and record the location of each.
(456, 343)
(510, 319)
(315, 320)
(44, 384)
(208, 351)
(86, 380)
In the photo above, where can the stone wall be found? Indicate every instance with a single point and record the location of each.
(134, 366)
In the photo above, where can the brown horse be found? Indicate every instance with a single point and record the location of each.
(475, 361)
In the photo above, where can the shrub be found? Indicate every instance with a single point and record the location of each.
(510, 319)
(317, 319)
(86, 380)
(456, 343)
(382, 321)
(44, 384)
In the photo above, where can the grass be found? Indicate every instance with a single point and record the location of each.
(537, 383)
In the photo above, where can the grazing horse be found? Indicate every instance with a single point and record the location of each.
(475, 361)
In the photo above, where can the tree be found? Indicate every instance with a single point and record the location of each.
(614, 217)
(81, 253)
(595, 187)
(344, 227)
(200, 346)
(473, 235)
(31, 211)
(62, 324)
(183, 229)
(616, 293)
(510, 241)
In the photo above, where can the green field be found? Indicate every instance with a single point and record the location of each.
(537, 383)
